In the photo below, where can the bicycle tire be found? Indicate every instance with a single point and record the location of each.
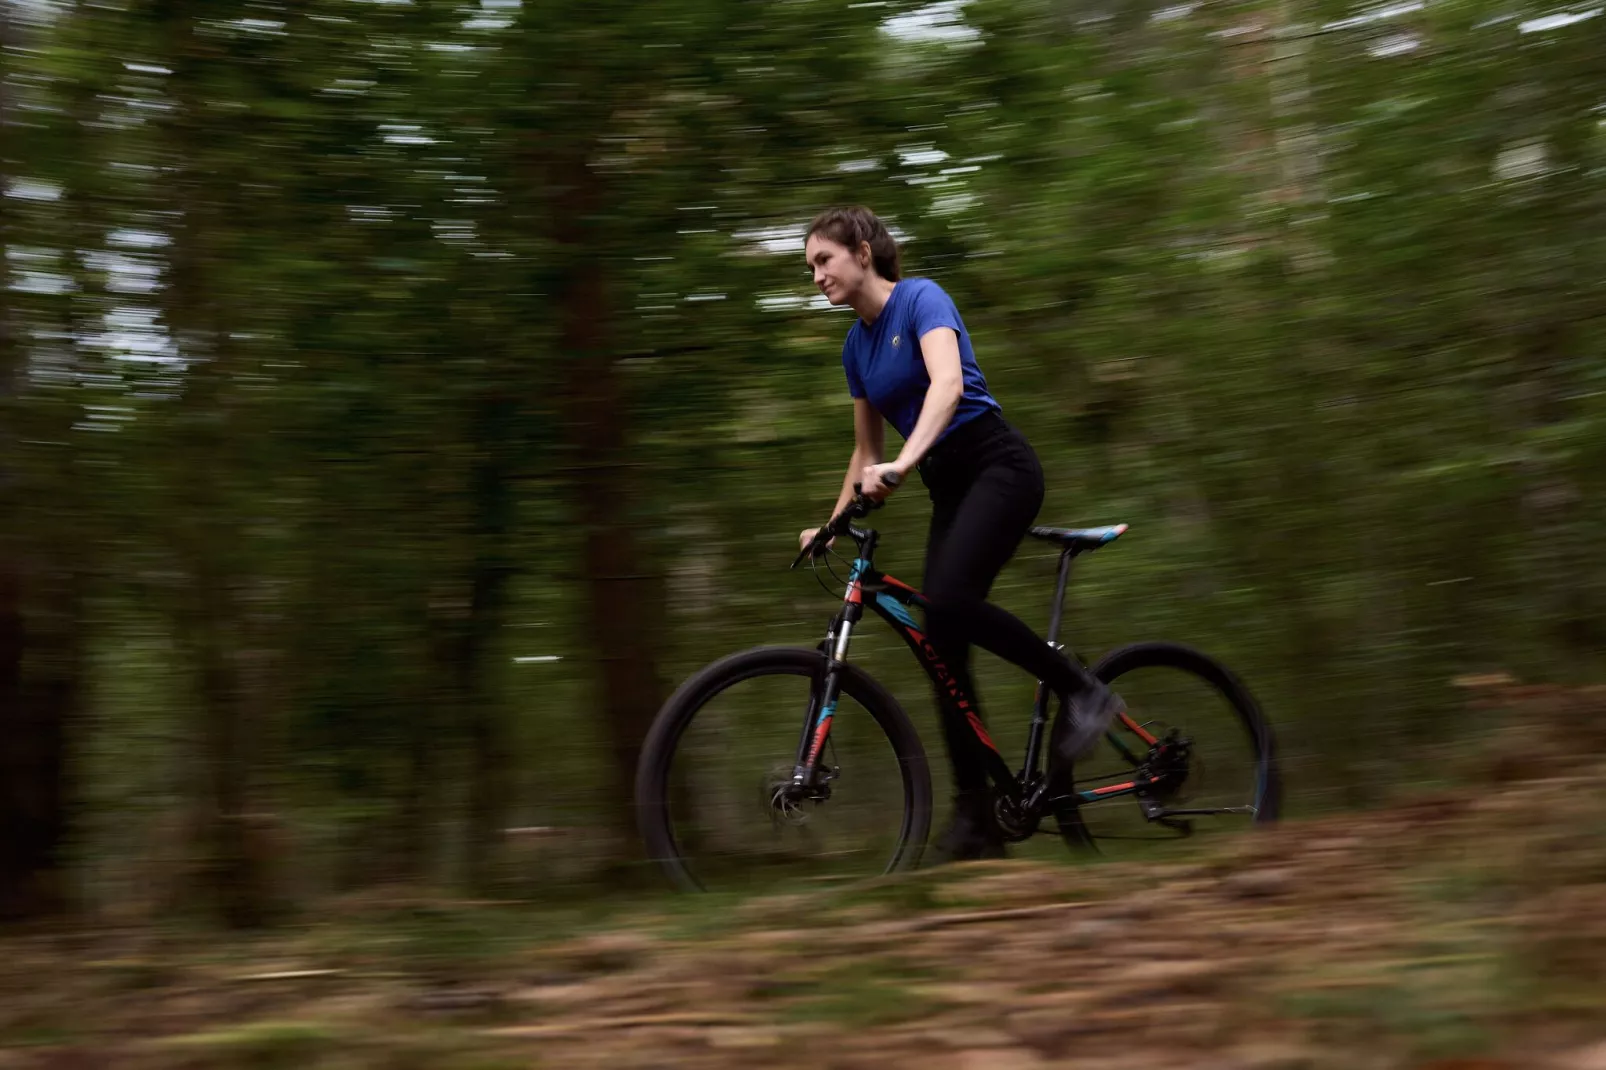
(657, 754)
(1267, 798)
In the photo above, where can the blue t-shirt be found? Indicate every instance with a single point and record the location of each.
(883, 361)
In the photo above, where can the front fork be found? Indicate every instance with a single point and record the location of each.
(822, 703)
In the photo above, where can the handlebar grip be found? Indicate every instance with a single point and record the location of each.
(838, 525)
(813, 549)
(860, 505)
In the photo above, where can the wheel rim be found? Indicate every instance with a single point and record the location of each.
(734, 818)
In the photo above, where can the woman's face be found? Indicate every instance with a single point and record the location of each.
(837, 271)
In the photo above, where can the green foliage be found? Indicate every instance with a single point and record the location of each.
(1301, 292)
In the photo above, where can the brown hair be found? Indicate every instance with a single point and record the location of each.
(850, 226)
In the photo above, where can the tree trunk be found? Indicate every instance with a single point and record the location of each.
(420, 794)
(41, 685)
(10, 348)
(233, 839)
(235, 853)
(14, 874)
(208, 536)
(38, 696)
(1560, 549)
(490, 769)
(40, 655)
(1298, 146)
(32, 867)
(625, 607)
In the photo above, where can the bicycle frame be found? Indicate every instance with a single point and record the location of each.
(893, 600)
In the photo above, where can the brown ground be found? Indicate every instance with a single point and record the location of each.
(1463, 929)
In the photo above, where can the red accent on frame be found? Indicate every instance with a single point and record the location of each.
(819, 739)
(1134, 726)
(900, 584)
(946, 680)
(1130, 784)
(855, 593)
(980, 729)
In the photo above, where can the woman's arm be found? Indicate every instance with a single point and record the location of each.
(940, 348)
(869, 440)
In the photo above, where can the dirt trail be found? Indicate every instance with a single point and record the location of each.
(1460, 930)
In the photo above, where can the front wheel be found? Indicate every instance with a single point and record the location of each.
(712, 798)
(1193, 741)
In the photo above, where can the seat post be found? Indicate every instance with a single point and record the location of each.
(1034, 737)
(1058, 609)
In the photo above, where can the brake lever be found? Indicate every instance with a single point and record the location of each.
(816, 549)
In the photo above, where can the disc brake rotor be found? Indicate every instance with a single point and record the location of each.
(784, 800)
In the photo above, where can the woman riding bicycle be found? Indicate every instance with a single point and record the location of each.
(909, 362)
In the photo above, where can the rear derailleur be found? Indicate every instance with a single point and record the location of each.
(1165, 768)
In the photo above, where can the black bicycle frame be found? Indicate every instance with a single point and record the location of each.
(893, 600)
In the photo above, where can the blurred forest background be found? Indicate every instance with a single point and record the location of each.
(399, 397)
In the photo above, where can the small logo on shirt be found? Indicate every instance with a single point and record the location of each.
(896, 340)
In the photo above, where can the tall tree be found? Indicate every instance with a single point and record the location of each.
(213, 442)
(43, 530)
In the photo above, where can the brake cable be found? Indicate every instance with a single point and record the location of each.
(826, 557)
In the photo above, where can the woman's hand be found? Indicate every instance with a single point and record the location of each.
(881, 480)
(806, 536)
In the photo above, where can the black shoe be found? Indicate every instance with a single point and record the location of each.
(1085, 716)
(973, 832)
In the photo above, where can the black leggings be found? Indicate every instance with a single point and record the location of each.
(986, 487)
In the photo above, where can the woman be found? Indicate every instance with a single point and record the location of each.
(909, 362)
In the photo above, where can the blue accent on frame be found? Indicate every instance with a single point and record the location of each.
(899, 611)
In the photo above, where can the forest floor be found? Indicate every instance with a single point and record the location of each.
(1456, 929)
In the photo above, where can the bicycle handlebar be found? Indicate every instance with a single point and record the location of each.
(840, 524)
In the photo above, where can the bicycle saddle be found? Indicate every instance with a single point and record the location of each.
(1080, 540)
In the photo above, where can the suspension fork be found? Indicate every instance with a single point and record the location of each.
(822, 703)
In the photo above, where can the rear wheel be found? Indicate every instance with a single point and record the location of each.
(1193, 728)
(713, 794)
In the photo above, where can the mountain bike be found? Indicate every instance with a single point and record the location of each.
(793, 764)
